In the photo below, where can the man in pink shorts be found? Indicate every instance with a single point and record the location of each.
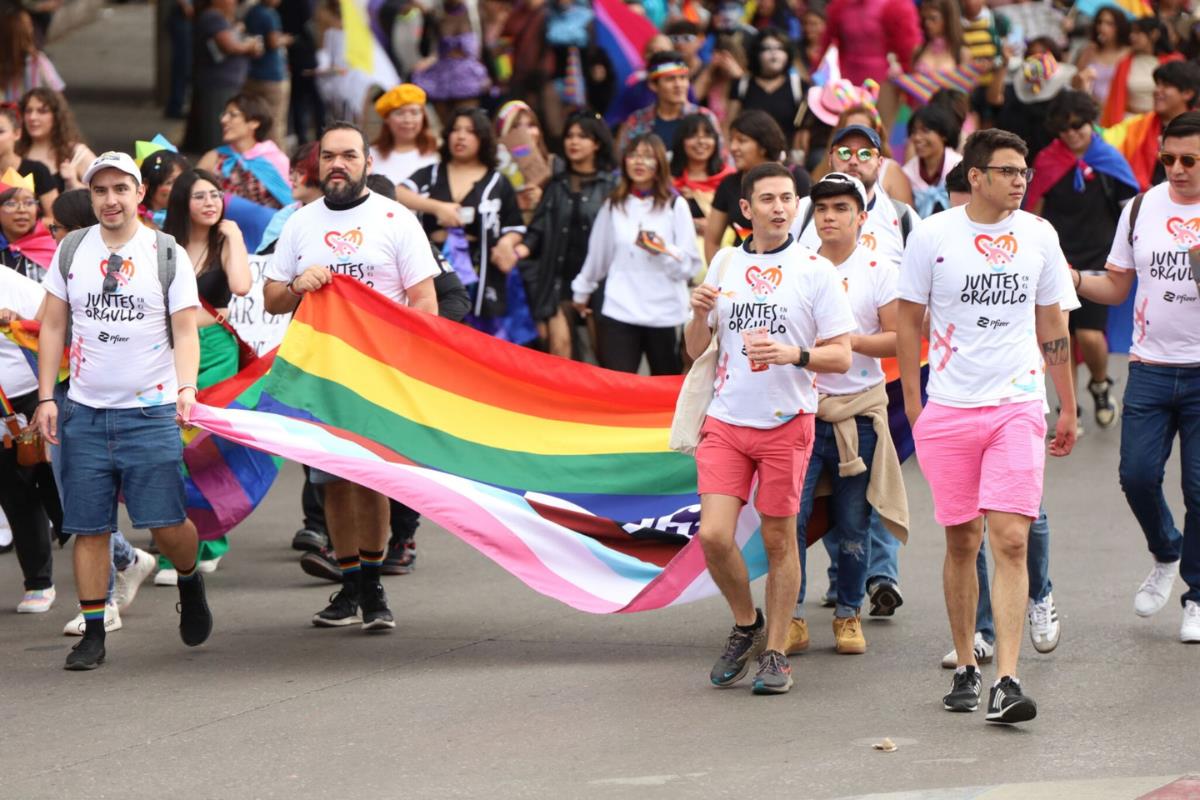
(769, 302)
(991, 277)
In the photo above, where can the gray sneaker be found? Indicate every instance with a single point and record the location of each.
(741, 647)
(774, 673)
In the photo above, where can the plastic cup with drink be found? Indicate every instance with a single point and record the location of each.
(754, 336)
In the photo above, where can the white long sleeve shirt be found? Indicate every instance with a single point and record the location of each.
(643, 288)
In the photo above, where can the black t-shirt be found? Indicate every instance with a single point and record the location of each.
(780, 104)
(43, 180)
(726, 198)
(1086, 221)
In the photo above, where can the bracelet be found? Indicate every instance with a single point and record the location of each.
(292, 291)
(191, 386)
(47, 400)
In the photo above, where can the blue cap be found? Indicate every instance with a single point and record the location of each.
(861, 130)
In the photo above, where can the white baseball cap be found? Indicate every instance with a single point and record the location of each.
(113, 160)
(836, 183)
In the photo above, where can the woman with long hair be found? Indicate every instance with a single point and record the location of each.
(773, 85)
(516, 118)
(10, 132)
(405, 141)
(22, 65)
(643, 246)
(469, 208)
(50, 136)
(556, 243)
(697, 168)
(1097, 60)
(754, 138)
(1132, 89)
(25, 244)
(196, 218)
(942, 47)
(249, 164)
(160, 170)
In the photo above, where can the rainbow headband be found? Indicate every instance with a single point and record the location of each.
(669, 68)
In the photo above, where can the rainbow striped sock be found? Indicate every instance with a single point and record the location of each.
(371, 561)
(93, 616)
(349, 565)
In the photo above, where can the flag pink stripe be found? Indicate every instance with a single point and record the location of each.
(605, 18)
(458, 514)
(683, 570)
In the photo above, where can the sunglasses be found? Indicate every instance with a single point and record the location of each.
(1168, 160)
(1074, 125)
(110, 277)
(861, 154)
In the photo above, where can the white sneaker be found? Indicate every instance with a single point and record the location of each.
(1044, 629)
(983, 653)
(166, 577)
(112, 621)
(1154, 592)
(130, 579)
(6, 539)
(1189, 632)
(36, 601)
(209, 565)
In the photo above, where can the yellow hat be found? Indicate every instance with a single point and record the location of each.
(11, 179)
(402, 95)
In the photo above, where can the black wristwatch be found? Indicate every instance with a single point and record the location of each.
(802, 362)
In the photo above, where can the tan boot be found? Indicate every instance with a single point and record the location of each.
(797, 637)
(849, 636)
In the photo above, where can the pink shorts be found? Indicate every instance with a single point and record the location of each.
(982, 459)
(729, 456)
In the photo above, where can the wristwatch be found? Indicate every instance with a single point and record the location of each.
(802, 362)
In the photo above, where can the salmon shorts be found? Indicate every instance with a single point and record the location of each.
(729, 456)
(982, 459)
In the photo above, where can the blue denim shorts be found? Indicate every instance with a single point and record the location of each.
(130, 453)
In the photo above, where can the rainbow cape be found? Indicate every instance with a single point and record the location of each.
(558, 471)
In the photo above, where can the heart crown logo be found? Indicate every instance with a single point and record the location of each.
(868, 241)
(346, 244)
(1185, 232)
(998, 251)
(764, 281)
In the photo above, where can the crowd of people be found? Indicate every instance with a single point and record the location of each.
(798, 186)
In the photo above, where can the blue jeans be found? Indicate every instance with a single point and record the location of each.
(884, 562)
(1037, 562)
(118, 546)
(1160, 402)
(850, 513)
(133, 452)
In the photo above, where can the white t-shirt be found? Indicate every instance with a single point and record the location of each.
(1166, 310)
(870, 283)
(118, 349)
(24, 296)
(981, 284)
(881, 234)
(796, 295)
(398, 166)
(377, 242)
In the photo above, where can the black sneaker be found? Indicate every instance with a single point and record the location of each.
(195, 619)
(88, 654)
(774, 673)
(307, 540)
(1007, 703)
(964, 692)
(322, 564)
(376, 616)
(400, 558)
(1106, 407)
(741, 647)
(341, 611)
(885, 598)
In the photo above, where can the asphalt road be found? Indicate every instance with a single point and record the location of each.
(488, 689)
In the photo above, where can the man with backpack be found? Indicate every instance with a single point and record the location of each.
(123, 298)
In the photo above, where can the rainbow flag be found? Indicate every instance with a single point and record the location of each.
(623, 34)
(923, 85)
(24, 334)
(558, 471)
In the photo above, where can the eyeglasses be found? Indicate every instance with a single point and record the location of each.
(54, 228)
(636, 158)
(682, 38)
(861, 154)
(13, 205)
(115, 262)
(1168, 160)
(1025, 173)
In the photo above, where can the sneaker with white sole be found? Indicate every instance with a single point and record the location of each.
(36, 601)
(1189, 632)
(166, 577)
(984, 653)
(1154, 592)
(209, 565)
(112, 621)
(1044, 629)
(130, 579)
(1008, 703)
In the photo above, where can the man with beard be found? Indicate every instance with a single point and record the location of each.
(378, 242)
